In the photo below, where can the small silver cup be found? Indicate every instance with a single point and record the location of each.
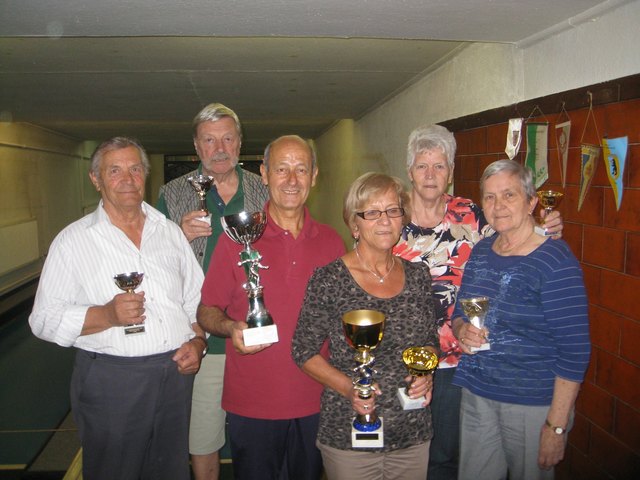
(202, 184)
(128, 282)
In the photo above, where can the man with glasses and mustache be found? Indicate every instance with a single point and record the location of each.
(217, 138)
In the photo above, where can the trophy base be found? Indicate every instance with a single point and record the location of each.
(260, 335)
(407, 402)
(205, 219)
(134, 329)
(542, 231)
(374, 439)
(481, 348)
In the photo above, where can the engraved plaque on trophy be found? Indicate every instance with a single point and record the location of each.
(128, 282)
(246, 228)
(363, 330)
(476, 309)
(549, 199)
(420, 361)
(202, 184)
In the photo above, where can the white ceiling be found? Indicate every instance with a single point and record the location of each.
(97, 68)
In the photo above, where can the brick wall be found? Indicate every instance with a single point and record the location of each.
(605, 441)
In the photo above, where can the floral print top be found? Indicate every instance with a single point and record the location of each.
(446, 248)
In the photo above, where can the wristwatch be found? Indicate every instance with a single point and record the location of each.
(206, 344)
(556, 430)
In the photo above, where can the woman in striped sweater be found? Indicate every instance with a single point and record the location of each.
(518, 396)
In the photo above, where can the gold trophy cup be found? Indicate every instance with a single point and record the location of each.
(202, 184)
(420, 361)
(363, 330)
(476, 309)
(549, 199)
(128, 282)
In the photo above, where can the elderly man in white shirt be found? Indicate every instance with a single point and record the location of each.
(131, 388)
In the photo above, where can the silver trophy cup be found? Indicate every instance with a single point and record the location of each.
(128, 282)
(202, 184)
(246, 228)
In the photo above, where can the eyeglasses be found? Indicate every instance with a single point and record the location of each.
(376, 214)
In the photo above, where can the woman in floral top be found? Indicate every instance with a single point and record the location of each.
(441, 234)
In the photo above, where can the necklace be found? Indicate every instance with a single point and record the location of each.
(381, 278)
(514, 248)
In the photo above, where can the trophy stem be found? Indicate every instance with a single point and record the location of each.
(203, 202)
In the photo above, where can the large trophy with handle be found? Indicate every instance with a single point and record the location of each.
(246, 228)
(363, 330)
(420, 361)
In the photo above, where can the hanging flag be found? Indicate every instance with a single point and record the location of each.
(588, 156)
(563, 130)
(614, 151)
(514, 137)
(536, 160)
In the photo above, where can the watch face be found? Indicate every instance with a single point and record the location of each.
(559, 430)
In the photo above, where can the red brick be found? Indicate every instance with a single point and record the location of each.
(591, 212)
(622, 119)
(467, 168)
(632, 263)
(604, 247)
(618, 460)
(632, 167)
(605, 327)
(497, 139)
(572, 234)
(580, 432)
(485, 160)
(618, 377)
(617, 292)
(591, 135)
(581, 467)
(574, 166)
(467, 189)
(592, 276)
(472, 142)
(555, 172)
(597, 405)
(630, 341)
(628, 217)
(627, 426)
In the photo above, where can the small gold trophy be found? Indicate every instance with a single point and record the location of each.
(549, 199)
(246, 228)
(202, 184)
(363, 330)
(476, 309)
(128, 282)
(420, 362)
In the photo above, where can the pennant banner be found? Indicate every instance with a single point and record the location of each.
(588, 155)
(537, 135)
(563, 131)
(614, 151)
(514, 137)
